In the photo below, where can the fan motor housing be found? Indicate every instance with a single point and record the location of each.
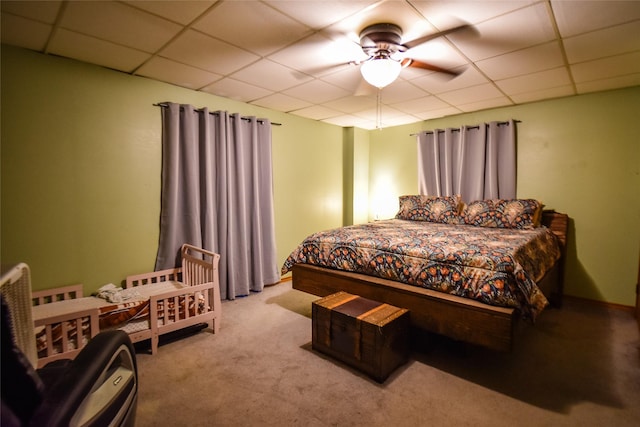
(381, 37)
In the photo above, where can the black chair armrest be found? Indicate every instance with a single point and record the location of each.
(106, 365)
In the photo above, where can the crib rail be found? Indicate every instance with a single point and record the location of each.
(57, 294)
(73, 330)
(64, 335)
(153, 277)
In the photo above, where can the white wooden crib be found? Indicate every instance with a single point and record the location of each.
(165, 301)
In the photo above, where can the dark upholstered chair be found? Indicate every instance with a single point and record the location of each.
(97, 388)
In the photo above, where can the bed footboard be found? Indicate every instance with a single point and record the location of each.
(456, 317)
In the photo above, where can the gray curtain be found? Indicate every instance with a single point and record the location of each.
(217, 193)
(477, 162)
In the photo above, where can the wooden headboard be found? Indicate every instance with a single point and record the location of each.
(558, 223)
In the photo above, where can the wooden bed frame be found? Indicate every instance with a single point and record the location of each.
(199, 271)
(455, 317)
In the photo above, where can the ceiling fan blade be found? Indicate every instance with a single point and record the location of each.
(322, 70)
(416, 42)
(408, 62)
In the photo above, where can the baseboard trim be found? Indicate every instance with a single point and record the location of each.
(605, 304)
(283, 279)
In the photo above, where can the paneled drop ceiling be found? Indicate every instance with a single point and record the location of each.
(293, 55)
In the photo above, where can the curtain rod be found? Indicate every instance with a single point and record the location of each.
(164, 105)
(458, 129)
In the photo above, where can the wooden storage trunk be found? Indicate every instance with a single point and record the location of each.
(367, 335)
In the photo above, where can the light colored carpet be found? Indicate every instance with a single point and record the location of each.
(578, 366)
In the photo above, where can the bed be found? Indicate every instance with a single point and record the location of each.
(469, 272)
(149, 305)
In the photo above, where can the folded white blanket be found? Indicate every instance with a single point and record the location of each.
(112, 293)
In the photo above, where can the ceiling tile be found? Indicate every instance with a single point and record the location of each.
(581, 17)
(421, 105)
(317, 91)
(398, 120)
(178, 74)
(434, 114)
(43, 11)
(597, 44)
(315, 112)
(400, 90)
(541, 94)
(447, 14)
(251, 25)
(135, 28)
(372, 113)
(504, 34)
(485, 104)
(352, 104)
(281, 102)
(535, 81)
(319, 14)
(270, 75)
(183, 12)
(348, 120)
(530, 60)
(22, 32)
(348, 78)
(606, 67)
(610, 83)
(471, 94)
(237, 90)
(199, 50)
(95, 51)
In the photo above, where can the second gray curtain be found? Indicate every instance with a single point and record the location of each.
(217, 193)
(476, 162)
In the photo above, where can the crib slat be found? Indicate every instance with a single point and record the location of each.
(64, 331)
(79, 333)
(49, 335)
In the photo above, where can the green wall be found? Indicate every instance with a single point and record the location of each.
(81, 157)
(579, 155)
(81, 173)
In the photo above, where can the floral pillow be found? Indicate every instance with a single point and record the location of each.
(444, 209)
(498, 213)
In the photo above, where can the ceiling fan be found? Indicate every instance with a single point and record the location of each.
(382, 43)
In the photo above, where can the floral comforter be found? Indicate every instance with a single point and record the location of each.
(495, 266)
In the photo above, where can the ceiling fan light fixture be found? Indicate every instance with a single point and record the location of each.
(380, 72)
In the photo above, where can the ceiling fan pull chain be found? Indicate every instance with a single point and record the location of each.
(379, 109)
